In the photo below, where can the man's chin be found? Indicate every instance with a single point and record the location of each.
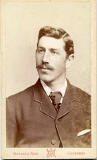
(46, 80)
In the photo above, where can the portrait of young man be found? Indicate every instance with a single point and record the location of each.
(52, 112)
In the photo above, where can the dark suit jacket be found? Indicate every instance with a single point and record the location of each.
(32, 120)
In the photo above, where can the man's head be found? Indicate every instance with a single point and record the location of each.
(54, 51)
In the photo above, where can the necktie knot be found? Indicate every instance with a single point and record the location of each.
(55, 97)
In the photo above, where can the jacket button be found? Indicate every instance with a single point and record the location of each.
(53, 142)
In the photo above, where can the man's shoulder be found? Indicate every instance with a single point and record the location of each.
(80, 91)
(80, 95)
(27, 92)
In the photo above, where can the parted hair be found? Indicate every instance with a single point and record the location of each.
(58, 33)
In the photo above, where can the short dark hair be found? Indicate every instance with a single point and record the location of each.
(58, 33)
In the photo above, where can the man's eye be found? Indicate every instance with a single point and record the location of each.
(54, 52)
(40, 50)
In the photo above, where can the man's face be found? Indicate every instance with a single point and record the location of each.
(50, 59)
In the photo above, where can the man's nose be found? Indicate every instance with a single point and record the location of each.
(46, 57)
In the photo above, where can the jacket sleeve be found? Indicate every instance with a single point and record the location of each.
(11, 124)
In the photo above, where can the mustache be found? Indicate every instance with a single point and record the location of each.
(45, 66)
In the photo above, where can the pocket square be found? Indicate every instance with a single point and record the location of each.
(83, 132)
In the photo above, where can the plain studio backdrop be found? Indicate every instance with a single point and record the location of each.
(23, 19)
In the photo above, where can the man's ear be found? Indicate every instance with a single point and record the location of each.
(69, 60)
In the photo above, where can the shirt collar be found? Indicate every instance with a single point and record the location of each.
(49, 90)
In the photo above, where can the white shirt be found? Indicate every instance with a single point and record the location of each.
(48, 90)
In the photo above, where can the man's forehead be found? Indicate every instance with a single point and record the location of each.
(51, 42)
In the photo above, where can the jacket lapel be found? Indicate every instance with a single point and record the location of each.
(66, 105)
(41, 97)
(46, 106)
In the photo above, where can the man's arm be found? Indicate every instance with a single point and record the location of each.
(11, 124)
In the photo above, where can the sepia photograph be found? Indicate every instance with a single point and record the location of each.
(52, 105)
(49, 79)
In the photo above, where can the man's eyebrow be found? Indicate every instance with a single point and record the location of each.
(54, 49)
(40, 47)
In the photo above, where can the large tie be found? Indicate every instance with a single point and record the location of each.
(56, 97)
